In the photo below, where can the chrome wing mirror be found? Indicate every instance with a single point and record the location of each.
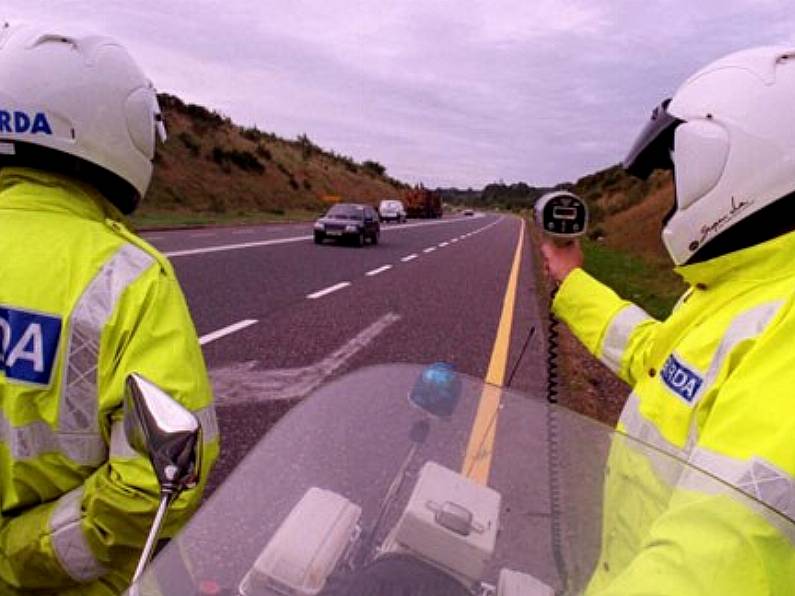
(170, 436)
(160, 428)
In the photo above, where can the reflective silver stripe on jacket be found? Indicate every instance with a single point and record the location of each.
(209, 423)
(77, 424)
(120, 448)
(711, 472)
(31, 440)
(638, 427)
(745, 326)
(668, 467)
(757, 478)
(69, 542)
(617, 335)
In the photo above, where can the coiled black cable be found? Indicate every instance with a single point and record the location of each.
(552, 352)
(553, 445)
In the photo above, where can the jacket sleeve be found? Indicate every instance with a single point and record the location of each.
(711, 539)
(616, 331)
(98, 530)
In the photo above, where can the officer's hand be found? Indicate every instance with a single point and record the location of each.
(560, 260)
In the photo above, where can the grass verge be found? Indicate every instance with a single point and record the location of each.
(652, 285)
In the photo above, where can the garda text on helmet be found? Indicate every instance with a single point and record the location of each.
(29, 345)
(18, 122)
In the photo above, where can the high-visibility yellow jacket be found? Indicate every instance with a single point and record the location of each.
(83, 303)
(712, 385)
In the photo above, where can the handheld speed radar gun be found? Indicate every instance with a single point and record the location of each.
(562, 216)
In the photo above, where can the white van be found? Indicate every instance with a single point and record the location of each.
(391, 210)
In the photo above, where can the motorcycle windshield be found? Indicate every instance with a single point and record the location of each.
(417, 480)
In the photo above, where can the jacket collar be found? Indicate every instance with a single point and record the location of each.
(35, 190)
(766, 261)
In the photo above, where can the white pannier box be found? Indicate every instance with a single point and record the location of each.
(450, 521)
(306, 548)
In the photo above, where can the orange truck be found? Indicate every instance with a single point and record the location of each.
(421, 202)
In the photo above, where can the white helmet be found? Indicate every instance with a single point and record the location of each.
(80, 105)
(729, 135)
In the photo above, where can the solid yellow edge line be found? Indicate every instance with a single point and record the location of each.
(477, 459)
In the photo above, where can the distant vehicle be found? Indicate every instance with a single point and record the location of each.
(348, 221)
(392, 210)
(469, 212)
(421, 202)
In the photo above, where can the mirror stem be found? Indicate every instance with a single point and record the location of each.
(154, 533)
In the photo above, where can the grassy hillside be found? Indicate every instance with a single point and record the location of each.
(626, 213)
(211, 170)
(625, 249)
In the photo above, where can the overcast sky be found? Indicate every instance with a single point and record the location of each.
(450, 93)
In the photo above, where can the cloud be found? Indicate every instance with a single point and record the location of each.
(460, 92)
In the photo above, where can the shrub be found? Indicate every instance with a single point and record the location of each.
(308, 148)
(190, 143)
(203, 115)
(592, 196)
(244, 160)
(218, 156)
(217, 204)
(251, 133)
(374, 167)
(264, 152)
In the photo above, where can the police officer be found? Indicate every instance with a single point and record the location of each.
(83, 303)
(714, 383)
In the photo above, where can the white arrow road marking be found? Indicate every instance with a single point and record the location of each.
(205, 339)
(244, 383)
(329, 290)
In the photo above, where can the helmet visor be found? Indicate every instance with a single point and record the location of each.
(652, 148)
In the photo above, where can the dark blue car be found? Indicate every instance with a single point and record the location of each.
(353, 222)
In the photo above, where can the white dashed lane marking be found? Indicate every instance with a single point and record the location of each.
(379, 270)
(329, 290)
(205, 339)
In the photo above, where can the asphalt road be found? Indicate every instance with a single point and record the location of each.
(445, 303)
(280, 317)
